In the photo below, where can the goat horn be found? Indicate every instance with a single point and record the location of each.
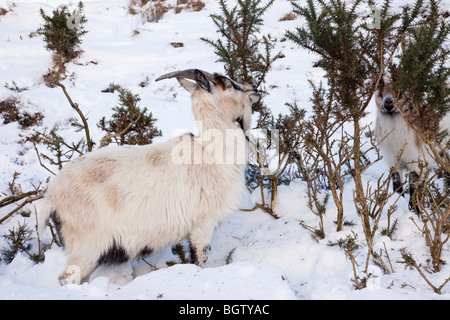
(187, 74)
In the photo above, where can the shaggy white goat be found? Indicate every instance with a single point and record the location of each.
(122, 203)
(397, 134)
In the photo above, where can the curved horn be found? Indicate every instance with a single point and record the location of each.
(186, 74)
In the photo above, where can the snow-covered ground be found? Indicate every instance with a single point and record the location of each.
(253, 256)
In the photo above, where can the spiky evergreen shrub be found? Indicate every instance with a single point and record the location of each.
(62, 31)
(20, 240)
(10, 111)
(411, 44)
(129, 124)
(421, 77)
(421, 71)
(245, 53)
(247, 57)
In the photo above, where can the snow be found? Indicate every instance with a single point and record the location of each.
(253, 256)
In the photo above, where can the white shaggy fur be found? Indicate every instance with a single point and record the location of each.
(396, 135)
(120, 203)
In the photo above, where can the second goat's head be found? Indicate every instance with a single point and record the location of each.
(216, 99)
(384, 96)
(389, 100)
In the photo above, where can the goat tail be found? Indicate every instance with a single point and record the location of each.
(44, 215)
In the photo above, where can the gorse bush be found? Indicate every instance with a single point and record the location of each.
(10, 111)
(411, 46)
(246, 55)
(20, 239)
(129, 124)
(420, 73)
(62, 31)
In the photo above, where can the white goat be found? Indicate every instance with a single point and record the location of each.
(122, 203)
(395, 135)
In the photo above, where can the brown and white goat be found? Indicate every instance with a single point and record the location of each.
(400, 145)
(122, 203)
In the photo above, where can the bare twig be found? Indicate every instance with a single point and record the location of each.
(23, 204)
(409, 261)
(40, 162)
(77, 109)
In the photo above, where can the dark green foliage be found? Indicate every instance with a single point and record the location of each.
(421, 72)
(61, 151)
(129, 124)
(179, 251)
(245, 53)
(289, 127)
(333, 35)
(352, 54)
(349, 244)
(412, 46)
(19, 240)
(389, 231)
(247, 57)
(58, 37)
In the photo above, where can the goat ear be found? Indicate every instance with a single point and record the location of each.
(201, 80)
(227, 84)
(255, 97)
(188, 85)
